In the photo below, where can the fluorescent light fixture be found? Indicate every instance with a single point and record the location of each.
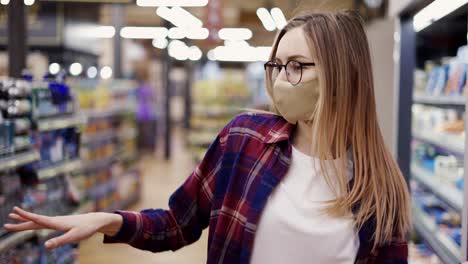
(176, 33)
(211, 55)
(93, 31)
(29, 2)
(143, 32)
(195, 53)
(76, 69)
(179, 17)
(171, 2)
(160, 43)
(235, 33)
(54, 68)
(197, 33)
(236, 43)
(106, 72)
(266, 19)
(4, 2)
(190, 33)
(178, 50)
(278, 17)
(435, 11)
(239, 54)
(92, 72)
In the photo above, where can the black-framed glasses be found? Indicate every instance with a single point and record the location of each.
(293, 69)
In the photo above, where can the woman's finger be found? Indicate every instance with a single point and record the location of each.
(23, 226)
(71, 236)
(45, 221)
(18, 218)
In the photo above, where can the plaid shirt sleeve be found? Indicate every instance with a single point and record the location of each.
(159, 230)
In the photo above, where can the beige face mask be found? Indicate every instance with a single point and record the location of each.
(296, 102)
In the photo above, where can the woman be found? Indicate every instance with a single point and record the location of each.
(312, 183)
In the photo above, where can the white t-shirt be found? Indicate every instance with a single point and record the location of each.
(293, 229)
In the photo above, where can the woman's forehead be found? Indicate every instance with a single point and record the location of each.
(293, 43)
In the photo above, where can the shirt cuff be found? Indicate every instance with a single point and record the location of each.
(127, 231)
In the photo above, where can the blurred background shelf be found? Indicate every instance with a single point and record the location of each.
(18, 159)
(443, 245)
(450, 195)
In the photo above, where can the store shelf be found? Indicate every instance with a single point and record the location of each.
(63, 168)
(99, 163)
(450, 195)
(108, 112)
(451, 143)
(98, 137)
(55, 123)
(443, 245)
(14, 239)
(212, 112)
(18, 159)
(443, 100)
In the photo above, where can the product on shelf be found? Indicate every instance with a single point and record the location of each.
(57, 146)
(10, 196)
(51, 99)
(445, 219)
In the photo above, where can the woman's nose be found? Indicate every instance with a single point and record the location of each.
(282, 75)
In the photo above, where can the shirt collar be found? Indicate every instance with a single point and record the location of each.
(280, 131)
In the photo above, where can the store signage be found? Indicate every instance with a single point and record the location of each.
(45, 24)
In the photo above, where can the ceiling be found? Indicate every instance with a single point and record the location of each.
(235, 14)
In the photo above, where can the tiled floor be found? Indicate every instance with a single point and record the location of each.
(160, 180)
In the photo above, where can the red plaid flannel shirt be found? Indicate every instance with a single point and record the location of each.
(227, 192)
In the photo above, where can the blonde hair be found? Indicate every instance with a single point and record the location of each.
(345, 118)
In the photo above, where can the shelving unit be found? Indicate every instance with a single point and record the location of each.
(55, 123)
(422, 138)
(18, 159)
(60, 169)
(445, 100)
(450, 195)
(215, 104)
(443, 245)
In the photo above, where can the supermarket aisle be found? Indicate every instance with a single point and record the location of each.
(160, 179)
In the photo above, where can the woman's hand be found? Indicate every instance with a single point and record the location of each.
(75, 227)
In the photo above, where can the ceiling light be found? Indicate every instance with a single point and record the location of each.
(54, 68)
(435, 11)
(143, 32)
(160, 43)
(172, 2)
(266, 19)
(235, 33)
(76, 69)
(176, 33)
(179, 17)
(195, 53)
(4, 2)
(279, 18)
(29, 2)
(92, 72)
(106, 72)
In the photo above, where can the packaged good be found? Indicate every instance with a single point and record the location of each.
(457, 78)
(51, 99)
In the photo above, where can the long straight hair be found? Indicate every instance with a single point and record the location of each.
(345, 119)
